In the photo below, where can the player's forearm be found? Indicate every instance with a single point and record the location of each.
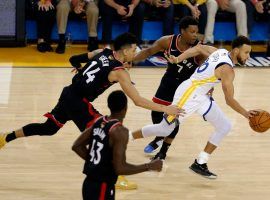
(192, 52)
(76, 60)
(237, 107)
(142, 55)
(144, 103)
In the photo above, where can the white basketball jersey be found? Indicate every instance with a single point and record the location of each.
(204, 77)
(191, 94)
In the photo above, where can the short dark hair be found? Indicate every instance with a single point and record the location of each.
(117, 101)
(187, 21)
(125, 39)
(240, 41)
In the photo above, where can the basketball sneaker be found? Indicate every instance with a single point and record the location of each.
(3, 140)
(202, 170)
(153, 147)
(124, 184)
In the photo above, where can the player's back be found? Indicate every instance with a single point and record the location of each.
(98, 165)
(92, 79)
(204, 77)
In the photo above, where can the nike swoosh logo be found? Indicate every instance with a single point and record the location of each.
(174, 50)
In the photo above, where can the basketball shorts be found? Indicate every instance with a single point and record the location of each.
(75, 108)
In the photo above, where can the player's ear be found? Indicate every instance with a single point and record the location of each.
(237, 50)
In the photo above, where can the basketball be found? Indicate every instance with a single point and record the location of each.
(260, 122)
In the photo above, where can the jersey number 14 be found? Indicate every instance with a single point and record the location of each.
(90, 73)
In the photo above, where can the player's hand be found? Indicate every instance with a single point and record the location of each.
(155, 165)
(174, 110)
(251, 113)
(171, 59)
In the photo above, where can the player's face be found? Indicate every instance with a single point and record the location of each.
(244, 54)
(130, 53)
(190, 34)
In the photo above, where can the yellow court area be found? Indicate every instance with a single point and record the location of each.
(45, 168)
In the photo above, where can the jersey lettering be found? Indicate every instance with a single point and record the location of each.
(90, 74)
(203, 66)
(95, 152)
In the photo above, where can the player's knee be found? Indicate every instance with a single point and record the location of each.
(166, 129)
(226, 127)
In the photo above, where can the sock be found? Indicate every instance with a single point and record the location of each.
(130, 136)
(203, 158)
(10, 136)
(165, 147)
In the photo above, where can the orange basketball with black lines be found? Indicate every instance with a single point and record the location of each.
(260, 122)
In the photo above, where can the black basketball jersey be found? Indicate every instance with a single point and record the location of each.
(99, 166)
(175, 74)
(183, 70)
(92, 79)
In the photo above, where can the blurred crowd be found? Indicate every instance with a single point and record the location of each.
(134, 12)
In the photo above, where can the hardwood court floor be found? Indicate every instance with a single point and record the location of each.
(45, 168)
(29, 56)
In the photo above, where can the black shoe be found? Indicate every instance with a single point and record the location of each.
(92, 43)
(61, 47)
(160, 156)
(202, 170)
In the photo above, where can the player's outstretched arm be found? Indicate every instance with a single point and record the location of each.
(226, 73)
(199, 49)
(119, 140)
(123, 78)
(80, 145)
(160, 45)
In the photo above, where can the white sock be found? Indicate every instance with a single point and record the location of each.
(203, 157)
(130, 136)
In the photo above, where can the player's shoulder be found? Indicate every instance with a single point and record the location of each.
(118, 127)
(119, 131)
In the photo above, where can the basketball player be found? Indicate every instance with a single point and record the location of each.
(75, 102)
(175, 74)
(103, 147)
(192, 96)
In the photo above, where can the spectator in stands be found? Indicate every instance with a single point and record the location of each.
(235, 6)
(44, 13)
(165, 10)
(255, 8)
(130, 10)
(90, 8)
(195, 8)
